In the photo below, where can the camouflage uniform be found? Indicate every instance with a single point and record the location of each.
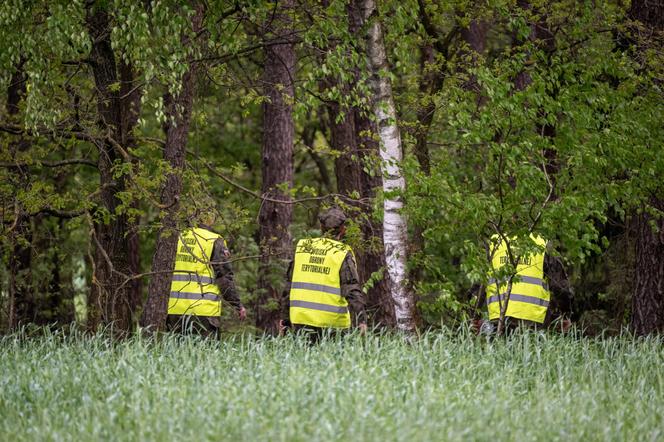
(224, 278)
(559, 287)
(351, 289)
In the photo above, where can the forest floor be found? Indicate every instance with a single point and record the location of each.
(443, 386)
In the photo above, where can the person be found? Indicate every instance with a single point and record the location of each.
(530, 296)
(202, 275)
(324, 292)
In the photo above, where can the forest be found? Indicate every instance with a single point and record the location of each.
(436, 126)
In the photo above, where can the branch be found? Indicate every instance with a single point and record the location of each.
(262, 197)
(72, 161)
(222, 58)
(15, 129)
(60, 213)
(224, 15)
(546, 200)
(442, 45)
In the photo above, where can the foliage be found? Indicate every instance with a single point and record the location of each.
(554, 158)
(566, 157)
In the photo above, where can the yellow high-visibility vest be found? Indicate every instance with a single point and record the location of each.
(193, 290)
(529, 298)
(315, 294)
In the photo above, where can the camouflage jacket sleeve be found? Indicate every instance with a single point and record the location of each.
(223, 273)
(352, 290)
(559, 286)
(285, 294)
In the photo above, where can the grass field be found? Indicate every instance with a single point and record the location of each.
(440, 387)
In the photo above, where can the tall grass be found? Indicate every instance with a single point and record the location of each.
(440, 387)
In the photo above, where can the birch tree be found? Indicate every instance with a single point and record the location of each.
(394, 184)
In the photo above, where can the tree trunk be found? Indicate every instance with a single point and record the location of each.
(475, 37)
(372, 260)
(131, 103)
(431, 81)
(308, 139)
(178, 118)
(61, 296)
(277, 165)
(648, 296)
(344, 141)
(21, 300)
(343, 136)
(110, 297)
(394, 223)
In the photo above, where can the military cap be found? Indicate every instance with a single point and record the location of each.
(332, 218)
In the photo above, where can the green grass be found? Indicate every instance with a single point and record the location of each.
(440, 387)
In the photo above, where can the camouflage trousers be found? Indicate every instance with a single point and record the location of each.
(207, 326)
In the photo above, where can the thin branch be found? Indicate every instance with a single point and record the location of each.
(60, 213)
(64, 133)
(69, 162)
(442, 45)
(222, 58)
(263, 197)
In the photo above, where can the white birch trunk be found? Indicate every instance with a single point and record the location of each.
(394, 223)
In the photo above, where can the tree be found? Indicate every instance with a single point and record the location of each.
(21, 297)
(176, 127)
(648, 297)
(371, 261)
(277, 165)
(111, 300)
(394, 222)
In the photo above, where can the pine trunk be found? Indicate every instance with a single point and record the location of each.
(277, 165)
(178, 113)
(344, 141)
(648, 296)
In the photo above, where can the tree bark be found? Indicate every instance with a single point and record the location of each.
(475, 37)
(21, 302)
(178, 113)
(308, 138)
(431, 81)
(538, 32)
(277, 164)
(344, 141)
(379, 299)
(131, 104)
(371, 260)
(110, 300)
(53, 303)
(394, 223)
(648, 296)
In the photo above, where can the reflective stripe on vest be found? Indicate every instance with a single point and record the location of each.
(315, 294)
(193, 278)
(529, 298)
(193, 291)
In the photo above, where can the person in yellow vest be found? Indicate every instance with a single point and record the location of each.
(324, 291)
(202, 276)
(529, 296)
